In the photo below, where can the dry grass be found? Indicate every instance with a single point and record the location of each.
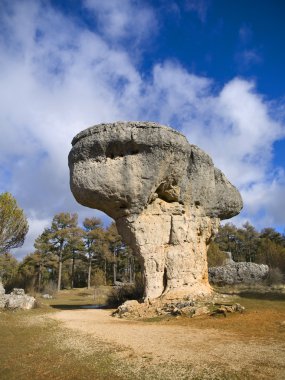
(263, 319)
(78, 297)
(34, 346)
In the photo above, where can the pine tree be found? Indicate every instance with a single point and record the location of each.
(13, 223)
(93, 237)
(59, 238)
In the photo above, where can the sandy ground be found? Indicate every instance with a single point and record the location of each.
(158, 344)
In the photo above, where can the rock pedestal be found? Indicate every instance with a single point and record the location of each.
(172, 241)
(165, 195)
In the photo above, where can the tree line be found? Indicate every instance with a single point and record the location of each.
(68, 255)
(65, 254)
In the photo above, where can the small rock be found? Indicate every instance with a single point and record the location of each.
(187, 310)
(126, 308)
(220, 310)
(175, 311)
(200, 311)
(238, 307)
(47, 296)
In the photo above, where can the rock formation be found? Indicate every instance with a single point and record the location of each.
(165, 195)
(2, 295)
(17, 299)
(238, 273)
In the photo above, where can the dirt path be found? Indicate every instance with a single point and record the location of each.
(160, 344)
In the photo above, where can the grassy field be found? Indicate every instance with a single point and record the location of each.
(30, 344)
(33, 346)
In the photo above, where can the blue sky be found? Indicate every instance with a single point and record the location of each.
(213, 69)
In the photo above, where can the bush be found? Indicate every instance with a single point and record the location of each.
(98, 277)
(275, 276)
(215, 256)
(50, 288)
(120, 294)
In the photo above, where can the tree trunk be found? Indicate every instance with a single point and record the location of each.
(114, 273)
(59, 272)
(114, 268)
(89, 273)
(40, 279)
(72, 270)
(105, 272)
(130, 270)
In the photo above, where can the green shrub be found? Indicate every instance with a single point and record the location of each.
(122, 293)
(275, 276)
(215, 256)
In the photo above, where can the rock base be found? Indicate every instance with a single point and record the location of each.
(172, 241)
(184, 308)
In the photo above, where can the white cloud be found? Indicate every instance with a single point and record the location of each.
(58, 77)
(123, 19)
(245, 34)
(234, 125)
(198, 6)
(247, 54)
(247, 58)
(36, 227)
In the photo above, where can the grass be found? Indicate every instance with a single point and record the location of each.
(76, 298)
(33, 346)
(264, 318)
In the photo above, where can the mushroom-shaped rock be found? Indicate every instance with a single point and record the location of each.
(165, 195)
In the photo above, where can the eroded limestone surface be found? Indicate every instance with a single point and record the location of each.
(17, 299)
(165, 195)
(238, 273)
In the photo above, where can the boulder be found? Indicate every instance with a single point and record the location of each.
(3, 297)
(2, 290)
(17, 299)
(165, 195)
(3, 301)
(47, 296)
(238, 273)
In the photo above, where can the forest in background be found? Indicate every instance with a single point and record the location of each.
(67, 255)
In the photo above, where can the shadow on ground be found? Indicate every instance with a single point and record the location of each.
(270, 296)
(80, 307)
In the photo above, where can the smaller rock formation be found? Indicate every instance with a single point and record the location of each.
(238, 273)
(15, 300)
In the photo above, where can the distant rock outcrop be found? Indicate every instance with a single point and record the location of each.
(165, 195)
(15, 300)
(238, 273)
